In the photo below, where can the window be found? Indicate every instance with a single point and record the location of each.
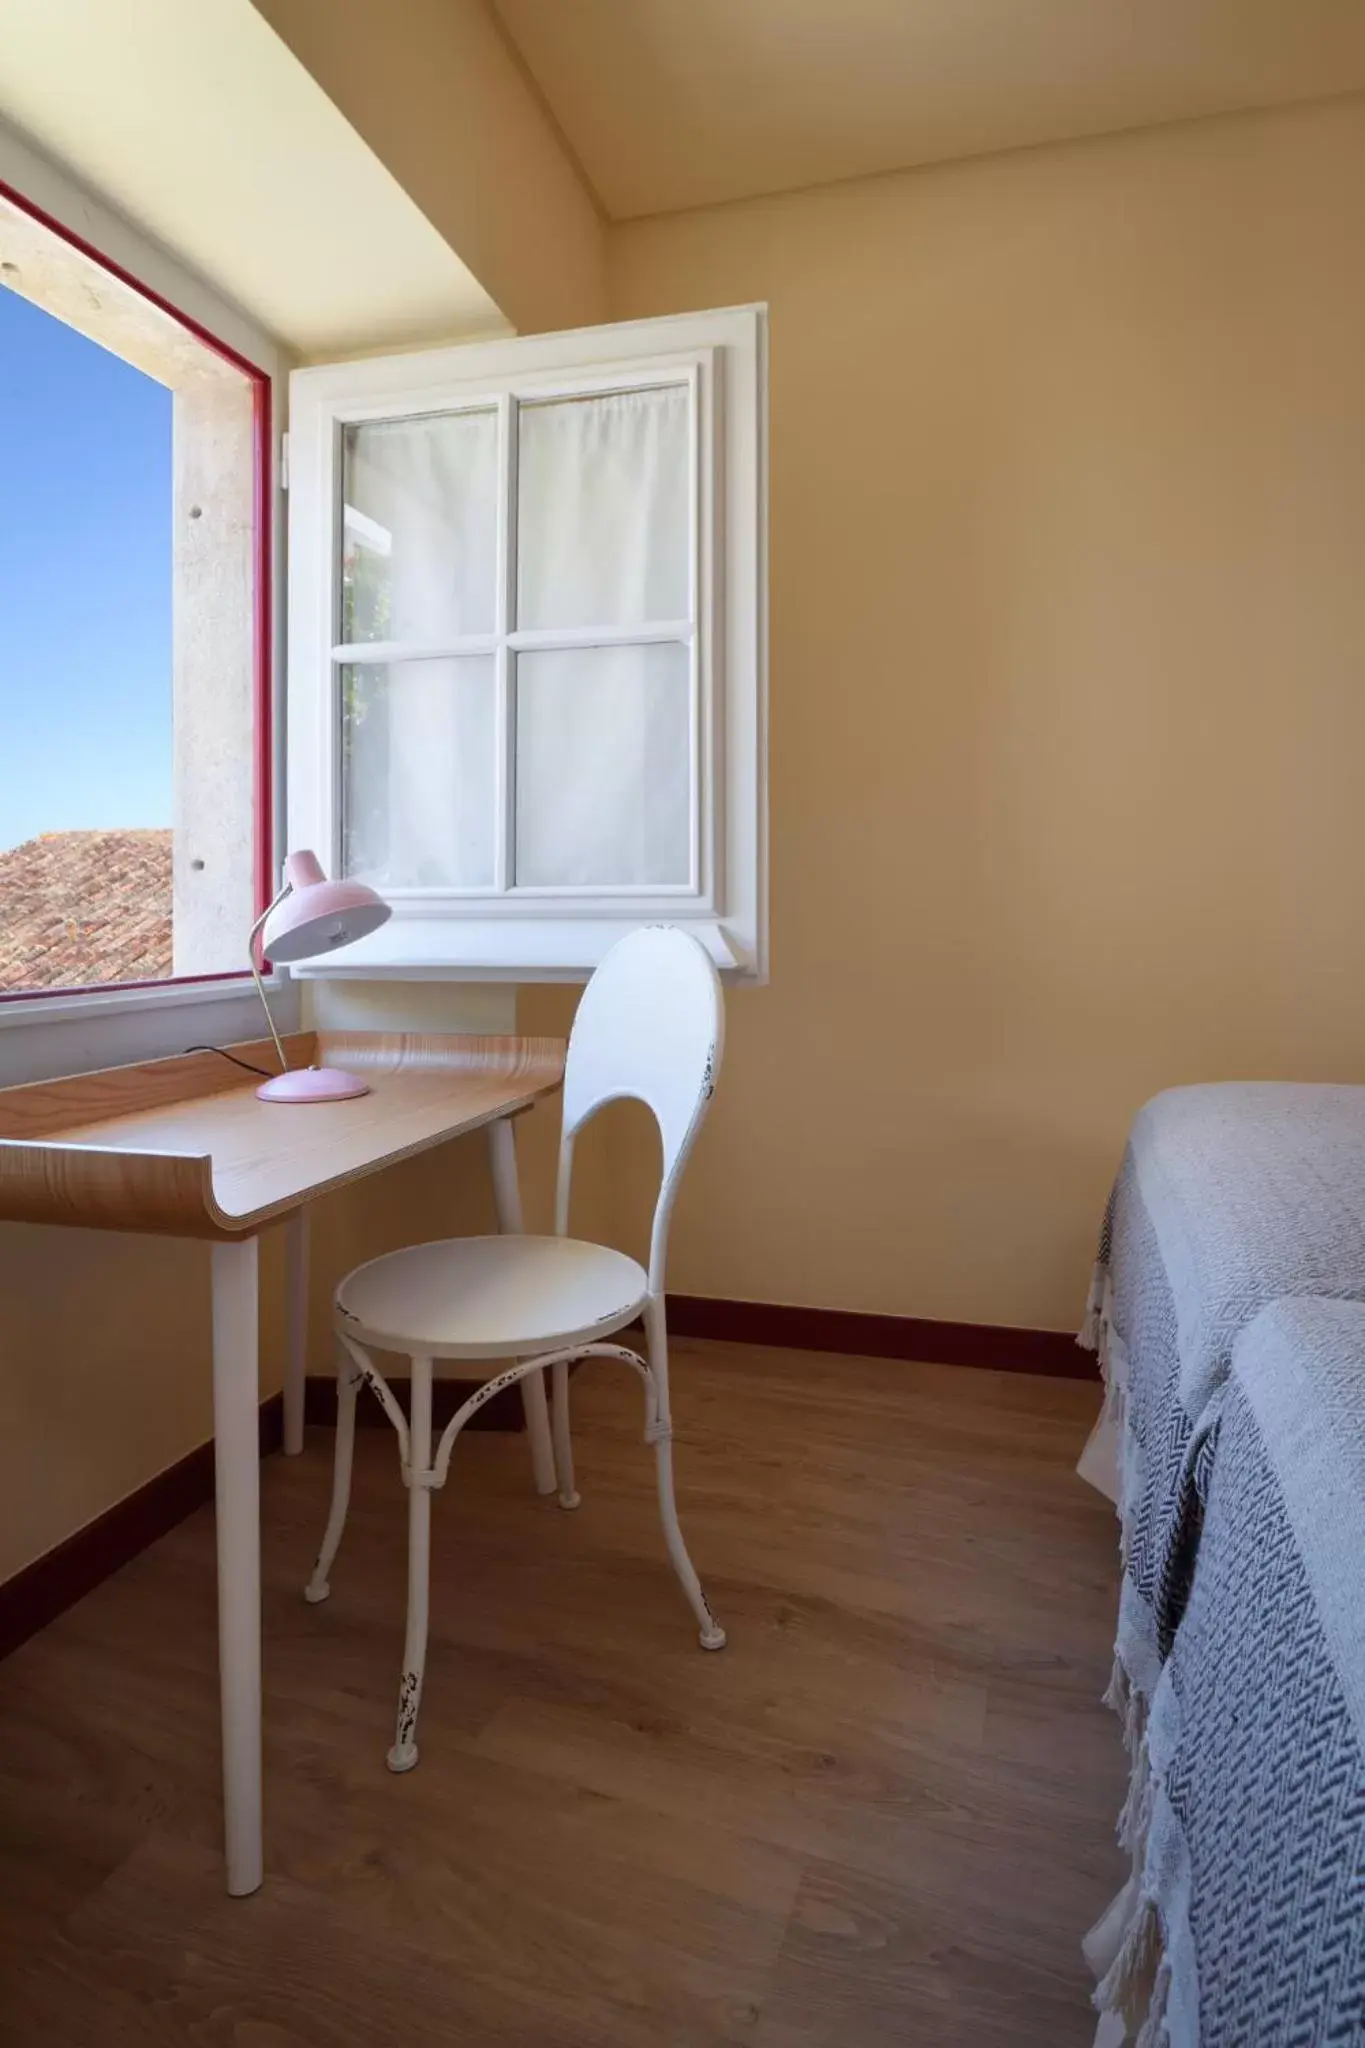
(527, 657)
(134, 685)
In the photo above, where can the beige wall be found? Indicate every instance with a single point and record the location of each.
(436, 92)
(104, 1350)
(1068, 610)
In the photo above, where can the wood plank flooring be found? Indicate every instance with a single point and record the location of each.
(882, 1815)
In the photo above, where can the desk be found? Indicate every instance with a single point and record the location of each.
(182, 1147)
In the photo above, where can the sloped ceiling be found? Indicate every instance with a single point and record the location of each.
(677, 103)
(197, 122)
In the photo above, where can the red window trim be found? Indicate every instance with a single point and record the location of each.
(263, 633)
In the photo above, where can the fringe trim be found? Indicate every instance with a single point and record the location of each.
(1102, 1461)
(1136, 1817)
(1130, 1986)
(1123, 1699)
(1092, 1328)
(1115, 1694)
(1155, 2031)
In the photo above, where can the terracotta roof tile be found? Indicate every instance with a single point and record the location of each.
(81, 908)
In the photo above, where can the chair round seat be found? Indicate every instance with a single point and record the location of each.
(491, 1297)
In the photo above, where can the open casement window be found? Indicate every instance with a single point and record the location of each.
(527, 644)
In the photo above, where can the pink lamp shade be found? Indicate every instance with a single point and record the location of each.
(316, 915)
(313, 916)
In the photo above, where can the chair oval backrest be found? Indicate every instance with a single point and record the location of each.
(650, 1027)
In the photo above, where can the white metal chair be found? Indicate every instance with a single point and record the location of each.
(650, 1026)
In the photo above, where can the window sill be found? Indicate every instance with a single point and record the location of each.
(508, 949)
(44, 1036)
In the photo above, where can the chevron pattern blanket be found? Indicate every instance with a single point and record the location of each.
(1230, 1197)
(1249, 1926)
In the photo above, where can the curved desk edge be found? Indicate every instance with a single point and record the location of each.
(96, 1188)
(181, 1147)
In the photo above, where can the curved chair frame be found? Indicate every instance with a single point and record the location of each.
(650, 1027)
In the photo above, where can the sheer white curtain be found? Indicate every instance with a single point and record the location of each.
(602, 735)
(420, 777)
(603, 510)
(420, 534)
(603, 766)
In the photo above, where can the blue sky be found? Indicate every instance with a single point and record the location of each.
(85, 583)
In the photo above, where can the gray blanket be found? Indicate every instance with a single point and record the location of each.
(1230, 1197)
(1249, 1926)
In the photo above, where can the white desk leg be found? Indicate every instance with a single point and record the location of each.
(236, 1450)
(296, 1358)
(502, 1149)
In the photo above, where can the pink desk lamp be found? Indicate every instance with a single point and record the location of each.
(310, 916)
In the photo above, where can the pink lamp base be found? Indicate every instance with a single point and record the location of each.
(312, 1084)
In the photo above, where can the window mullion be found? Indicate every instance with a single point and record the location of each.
(647, 633)
(373, 652)
(699, 606)
(505, 660)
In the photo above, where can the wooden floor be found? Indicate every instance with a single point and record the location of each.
(882, 1815)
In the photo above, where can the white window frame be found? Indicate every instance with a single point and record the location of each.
(543, 933)
(75, 1031)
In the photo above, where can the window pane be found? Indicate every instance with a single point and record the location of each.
(418, 773)
(604, 780)
(602, 510)
(419, 527)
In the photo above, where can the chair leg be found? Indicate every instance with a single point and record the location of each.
(538, 1432)
(710, 1633)
(502, 1153)
(403, 1755)
(569, 1497)
(348, 1386)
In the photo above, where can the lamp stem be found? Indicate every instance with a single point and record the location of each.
(256, 974)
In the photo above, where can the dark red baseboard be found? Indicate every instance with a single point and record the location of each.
(64, 1575)
(994, 1346)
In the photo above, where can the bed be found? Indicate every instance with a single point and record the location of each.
(1230, 1198)
(1247, 1923)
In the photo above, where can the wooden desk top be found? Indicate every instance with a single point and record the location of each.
(183, 1147)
